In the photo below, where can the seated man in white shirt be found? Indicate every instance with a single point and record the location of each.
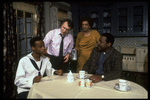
(27, 74)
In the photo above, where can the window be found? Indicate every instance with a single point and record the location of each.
(62, 14)
(26, 27)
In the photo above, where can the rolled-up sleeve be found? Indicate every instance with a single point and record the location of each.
(47, 39)
(71, 44)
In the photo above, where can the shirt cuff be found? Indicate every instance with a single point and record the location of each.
(53, 70)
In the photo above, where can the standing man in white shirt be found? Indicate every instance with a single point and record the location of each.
(27, 74)
(59, 43)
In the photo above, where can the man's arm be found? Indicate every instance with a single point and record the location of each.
(54, 72)
(20, 79)
(47, 39)
(69, 50)
(114, 73)
(116, 70)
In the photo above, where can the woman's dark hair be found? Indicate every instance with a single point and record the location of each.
(90, 21)
(110, 38)
(70, 23)
(34, 39)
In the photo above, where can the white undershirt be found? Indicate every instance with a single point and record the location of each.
(38, 63)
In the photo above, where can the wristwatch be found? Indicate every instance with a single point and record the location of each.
(102, 76)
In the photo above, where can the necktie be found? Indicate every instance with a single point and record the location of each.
(61, 47)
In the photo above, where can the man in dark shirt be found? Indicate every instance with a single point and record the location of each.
(105, 62)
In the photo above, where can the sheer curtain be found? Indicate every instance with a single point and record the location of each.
(9, 50)
(40, 13)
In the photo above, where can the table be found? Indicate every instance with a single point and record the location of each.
(60, 88)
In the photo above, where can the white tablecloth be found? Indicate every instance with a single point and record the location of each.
(60, 88)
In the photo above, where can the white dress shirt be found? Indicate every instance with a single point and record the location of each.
(26, 72)
(52, 42)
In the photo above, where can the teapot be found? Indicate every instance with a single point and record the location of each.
(74, 54)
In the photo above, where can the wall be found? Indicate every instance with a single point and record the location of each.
(137, 53)
(52, 14)
(130, 41)
(119, 41)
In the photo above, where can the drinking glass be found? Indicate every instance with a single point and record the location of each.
(49, 73)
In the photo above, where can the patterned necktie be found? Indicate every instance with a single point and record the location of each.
(61, 47)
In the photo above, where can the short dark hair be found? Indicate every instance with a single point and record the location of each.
(70, 23)
(110, 38)
(90, 21)
(34, 39)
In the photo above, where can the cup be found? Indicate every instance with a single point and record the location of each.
(123, 84)
(82, 73)
(82, 83)
(88, 83)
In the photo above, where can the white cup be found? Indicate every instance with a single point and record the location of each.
(82, 73)
(123, 84)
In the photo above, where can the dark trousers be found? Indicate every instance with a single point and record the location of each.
(57, 63)
(23, 95)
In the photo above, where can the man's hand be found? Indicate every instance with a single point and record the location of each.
(37, 79)
(59, 72)
(67, 58)
(95, 78)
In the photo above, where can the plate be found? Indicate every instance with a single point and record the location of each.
(84, 76)
(117, 88)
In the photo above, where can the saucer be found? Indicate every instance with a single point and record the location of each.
(117, 88)
(84, 76)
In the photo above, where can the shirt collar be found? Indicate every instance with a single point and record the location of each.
(62, 35)
(30, 56)
(59, 30)
(106, 52)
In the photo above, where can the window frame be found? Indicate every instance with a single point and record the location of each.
(25, 8)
